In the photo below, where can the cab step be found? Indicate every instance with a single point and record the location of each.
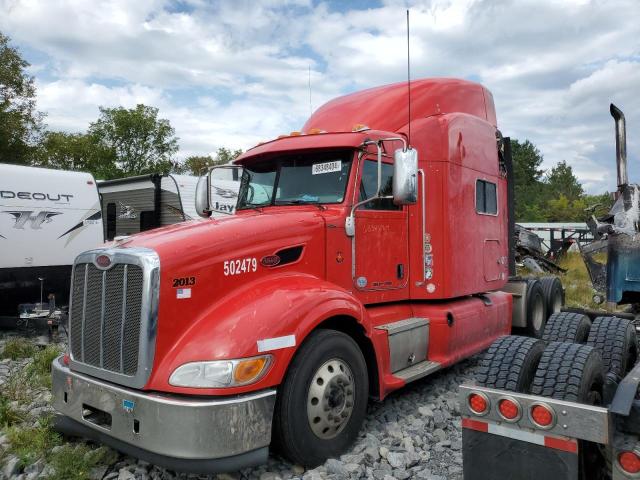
(417, 371)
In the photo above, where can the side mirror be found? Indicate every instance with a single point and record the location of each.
(405, 172)
(202, 196)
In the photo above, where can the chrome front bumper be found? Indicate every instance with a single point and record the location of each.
(197, 434)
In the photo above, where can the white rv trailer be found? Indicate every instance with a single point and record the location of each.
(135, 204)
(47, 218)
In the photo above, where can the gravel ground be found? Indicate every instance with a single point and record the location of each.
(413, 433)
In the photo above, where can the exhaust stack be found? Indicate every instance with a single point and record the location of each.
(621, 145)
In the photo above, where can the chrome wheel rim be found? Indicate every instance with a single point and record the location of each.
(330, 399)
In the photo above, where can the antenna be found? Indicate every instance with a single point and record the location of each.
(408, 79)
(310, 109)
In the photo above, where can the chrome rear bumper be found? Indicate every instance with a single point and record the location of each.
(197, 434)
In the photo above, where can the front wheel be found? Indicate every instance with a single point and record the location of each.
(323, 400)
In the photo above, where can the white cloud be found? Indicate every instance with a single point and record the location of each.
(552, 66)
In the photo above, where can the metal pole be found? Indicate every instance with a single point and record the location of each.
(41, 289)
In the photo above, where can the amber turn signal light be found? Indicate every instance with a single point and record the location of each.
(249, 369)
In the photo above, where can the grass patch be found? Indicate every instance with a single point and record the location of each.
(17, 348)
(39, 371)
(75, 462)
(16, 388)
(30, 444)
(8, 415)
(577, 283)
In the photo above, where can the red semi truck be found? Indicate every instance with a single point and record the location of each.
(367, 251)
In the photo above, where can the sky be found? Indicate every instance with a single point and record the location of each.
(235, 73)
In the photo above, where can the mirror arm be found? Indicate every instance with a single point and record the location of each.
(378, 144)
(397, 139)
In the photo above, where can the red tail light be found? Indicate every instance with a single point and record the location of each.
(509, 409)
(66, 359)
(542, 415)
(478, 403)
(629, 462)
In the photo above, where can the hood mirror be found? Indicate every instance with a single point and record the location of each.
(202, 196)
(405, 173)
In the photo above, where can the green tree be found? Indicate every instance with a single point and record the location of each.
(561, 181)
(598, 205)
(76, 151)
(562, 209)
(528, 188)
(137, 140)
(20, 123)
(196, 164)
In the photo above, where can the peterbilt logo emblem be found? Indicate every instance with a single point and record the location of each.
(103, 261)
(270, 260)
(35, 219)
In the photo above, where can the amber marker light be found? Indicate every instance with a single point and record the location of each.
(248, 370)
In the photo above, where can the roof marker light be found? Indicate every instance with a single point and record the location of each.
(359, 127)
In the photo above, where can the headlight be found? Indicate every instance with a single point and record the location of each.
(220, 373)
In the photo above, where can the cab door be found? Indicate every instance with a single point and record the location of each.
(381, 244)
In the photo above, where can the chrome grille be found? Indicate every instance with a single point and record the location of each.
(106, 315)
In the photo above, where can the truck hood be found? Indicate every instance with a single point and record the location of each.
(204, 263)
(194, 245)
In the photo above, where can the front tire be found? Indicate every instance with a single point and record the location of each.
(323, 400)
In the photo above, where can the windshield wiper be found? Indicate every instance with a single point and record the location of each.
(255, 206)
(294, 202)
(300, 202)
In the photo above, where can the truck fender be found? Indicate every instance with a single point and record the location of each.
(271, 315)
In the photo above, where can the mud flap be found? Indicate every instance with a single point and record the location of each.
(491, 457)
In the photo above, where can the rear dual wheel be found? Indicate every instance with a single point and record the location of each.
(545, 296)
(322, 403)
(567, 327)
(574, 372)
(615, 339)
(553, 294)
(536, 309)
(510, 363)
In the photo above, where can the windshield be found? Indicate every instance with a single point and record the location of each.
(295, 179)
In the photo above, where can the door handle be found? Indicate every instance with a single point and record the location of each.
(400, 271)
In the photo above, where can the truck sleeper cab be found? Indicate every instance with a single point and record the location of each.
(358, 260)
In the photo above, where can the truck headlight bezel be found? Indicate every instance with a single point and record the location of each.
(221, 373)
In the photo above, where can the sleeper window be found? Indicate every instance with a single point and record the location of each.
(486, 197)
